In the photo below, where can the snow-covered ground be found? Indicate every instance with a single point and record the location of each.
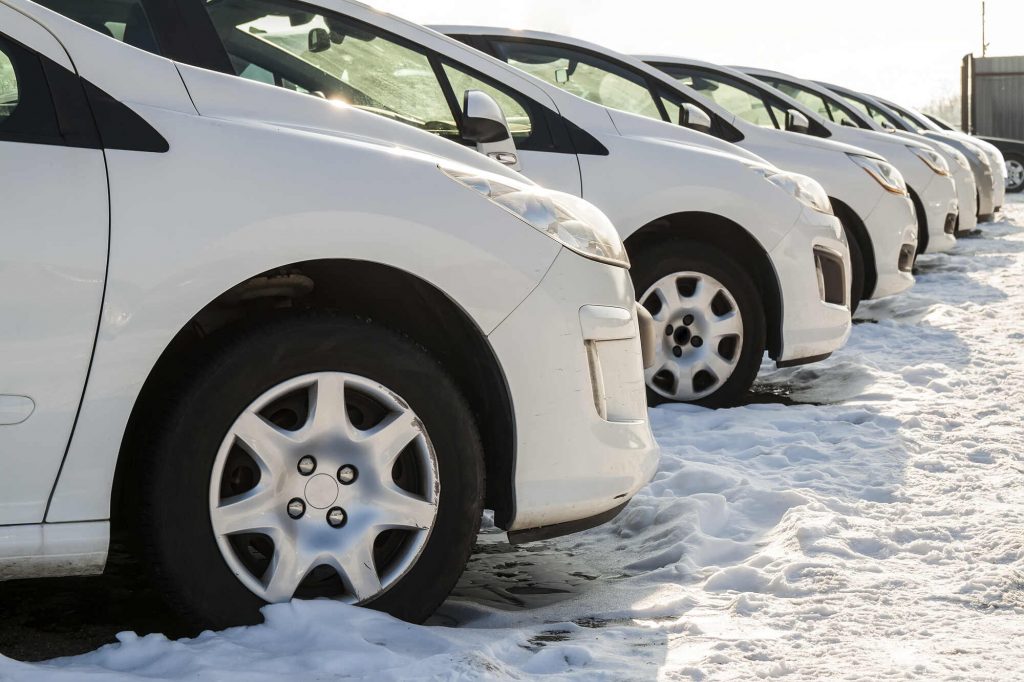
(874, 531)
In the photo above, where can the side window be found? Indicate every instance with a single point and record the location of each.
(123, 20)
(587, 76)
(26, 106)
(518, 117)
(333, 57)
(8, 87)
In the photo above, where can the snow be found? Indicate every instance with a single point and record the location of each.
(874, 530)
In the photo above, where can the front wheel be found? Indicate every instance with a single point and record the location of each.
(710, 321)
(315, 457)
(1015, 169)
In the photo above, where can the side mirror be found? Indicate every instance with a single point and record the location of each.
(319, 40)
(484, 123)
(692, 116)
(796, 122)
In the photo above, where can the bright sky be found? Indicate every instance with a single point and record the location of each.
(907, 50)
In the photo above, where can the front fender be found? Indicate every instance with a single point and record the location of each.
(189, 224)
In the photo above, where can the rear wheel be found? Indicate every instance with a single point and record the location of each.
(710, 320)
(1015, 168)
(318, 457)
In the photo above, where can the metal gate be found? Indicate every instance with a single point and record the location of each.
(993, 96)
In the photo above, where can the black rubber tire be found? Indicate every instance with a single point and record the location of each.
(174, 520)
(683, 255)
(857, 265)
(1014, 189)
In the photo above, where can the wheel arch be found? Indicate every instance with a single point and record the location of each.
(731, 238)
(922, 220)
(850, 220)
(397, 299)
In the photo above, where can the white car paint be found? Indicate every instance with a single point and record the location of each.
(653, 170)
(998, 172)
(888, 218)
(936, 192)
(636, 170)
(959, 166)
(256, 178)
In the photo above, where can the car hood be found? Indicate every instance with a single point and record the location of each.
(632, 125)
(813, 142)
(222, 96)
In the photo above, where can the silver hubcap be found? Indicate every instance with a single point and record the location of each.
(1016, 172)
(326, 485)
(701, 331)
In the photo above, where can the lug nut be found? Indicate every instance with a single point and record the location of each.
(336, 517)
(696, 342)
(688, 320)
(296, 508)
(677, 351)
(347, 474)
(668, 330)
(307, 465)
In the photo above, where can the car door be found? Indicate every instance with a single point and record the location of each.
(54, 227)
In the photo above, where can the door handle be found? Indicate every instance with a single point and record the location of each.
(14, 409)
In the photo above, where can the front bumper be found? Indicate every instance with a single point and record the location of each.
(572, 357)
(813, 266)
(940, 202)
(892, 226)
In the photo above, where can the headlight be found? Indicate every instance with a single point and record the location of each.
(806, 190)
(884, 173)
(571, 221)
(931, 159)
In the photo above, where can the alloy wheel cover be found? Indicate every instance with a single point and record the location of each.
(1016, 173)
(325, 492)
(693, 360)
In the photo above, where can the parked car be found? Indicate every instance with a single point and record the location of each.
(880, 224)
(986, 179)
(927, 175)
(994, 147)
(290, 349)
(967, 186)
(731, 255)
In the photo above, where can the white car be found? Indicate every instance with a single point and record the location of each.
(874, 113)
(731, 255)
(927, 174)
(880, 224)
(990, 155)
(281, 344)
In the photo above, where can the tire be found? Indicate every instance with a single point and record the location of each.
(180, 513)
(1015, 166)
(687, 263)
(857, 265)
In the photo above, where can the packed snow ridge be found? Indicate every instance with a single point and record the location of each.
(873, 530)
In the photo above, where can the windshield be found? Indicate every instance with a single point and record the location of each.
(738, 99)
(584, 75)
(332, 58)
(826, 108)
